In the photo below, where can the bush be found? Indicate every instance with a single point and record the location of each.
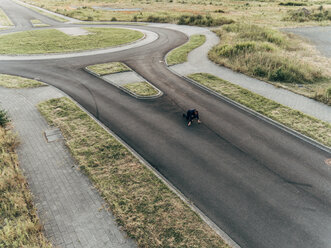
(292, 4)
(158, 19)
(199, 20)
(305, 15)
(256, 33)
(4, 119)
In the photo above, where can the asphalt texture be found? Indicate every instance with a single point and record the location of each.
(320, 36)
(261, 185)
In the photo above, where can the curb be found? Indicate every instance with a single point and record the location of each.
(258, 115)
(159, 94)
(189, 203)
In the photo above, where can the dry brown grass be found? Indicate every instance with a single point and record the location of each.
(148, 211)
(19, 224)
(16, 82)
(257, 12)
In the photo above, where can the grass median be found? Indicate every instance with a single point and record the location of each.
(179, 55)
(16, 82)
(108, 68)
(55, 41)
(141, 89)
(20, 226)
(148, 211)
(305, 124)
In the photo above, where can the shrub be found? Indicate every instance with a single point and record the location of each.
(304, 15)
(256, 33)
(292, 4)
(158, 19)
(4, 119)
(199, 20)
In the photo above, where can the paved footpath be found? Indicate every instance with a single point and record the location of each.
(198, 62)
(68, 206)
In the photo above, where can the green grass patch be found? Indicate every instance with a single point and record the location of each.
(179, 55)
(148, 211)
(16, 82)
(263, 53)
(305, 124)
(38, 23)
(20, 226)
(141, 89)
(4, 20)
(108, 68)
(54, 41)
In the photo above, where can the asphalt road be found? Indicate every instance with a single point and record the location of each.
(320, 36)
(261, 185)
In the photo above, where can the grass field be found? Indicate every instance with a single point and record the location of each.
(141, 89)
(179, 55)
(54, 41)
(10, 81)
(20, 225)
(307, 125)
(148, 211)
(108, 68)
(263, 12)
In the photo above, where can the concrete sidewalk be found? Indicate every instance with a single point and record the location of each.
(70, 209)
(198, 62)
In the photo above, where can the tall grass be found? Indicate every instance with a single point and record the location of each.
(19, 224)
(263, 53)
(305, 15)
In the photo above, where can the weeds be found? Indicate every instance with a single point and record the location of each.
(141, 89)
(262, 53)
(199, 20)
(19, 224)
(304, 15)
(4, 119)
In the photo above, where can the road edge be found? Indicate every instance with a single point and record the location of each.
(258, 115)
(226, 238)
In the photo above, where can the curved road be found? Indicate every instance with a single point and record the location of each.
(261, 185)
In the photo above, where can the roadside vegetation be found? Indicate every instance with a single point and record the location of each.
(305, 124)
(20, 226)
(55, 41)
(269, 55)
(38, 23)
(4, 20)
(146, 209)
(191, 12)
(16, 82)
(319, 14)
(108, 68)
(141, 89)
(179, 55)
